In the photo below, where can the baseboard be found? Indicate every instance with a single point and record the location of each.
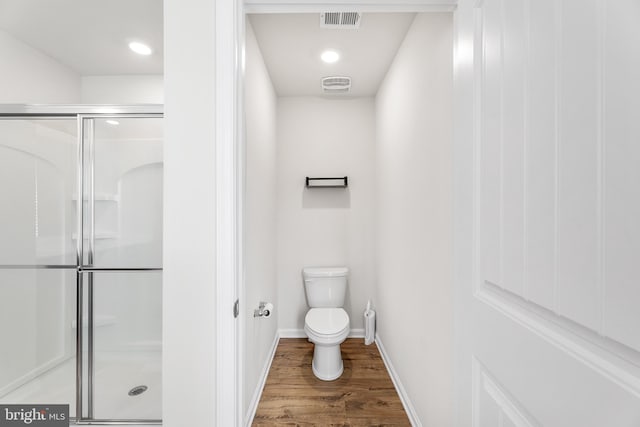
(291, 333)
(253, 405)
(404, 397)
(356, 333)
(299, 333)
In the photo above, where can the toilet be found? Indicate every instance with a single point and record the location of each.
(326, 323)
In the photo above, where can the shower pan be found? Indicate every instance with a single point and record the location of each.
(81, 260)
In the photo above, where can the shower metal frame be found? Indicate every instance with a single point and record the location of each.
(82, 113)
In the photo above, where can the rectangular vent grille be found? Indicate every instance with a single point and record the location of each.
(336, 84)
(340, 20)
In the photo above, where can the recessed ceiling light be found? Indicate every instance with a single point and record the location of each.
(330, 56)
(113, 122)
(140, 48)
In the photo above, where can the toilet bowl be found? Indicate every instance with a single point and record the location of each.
(326, 323)
(327, 328)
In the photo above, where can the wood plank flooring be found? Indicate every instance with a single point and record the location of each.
(363, 396)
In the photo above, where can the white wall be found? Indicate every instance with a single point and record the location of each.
(125, 89)
(325, 227)
(189, 279)
(27, 76)
(414, 225)
(259, 215)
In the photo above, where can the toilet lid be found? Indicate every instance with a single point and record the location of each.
(327, 321)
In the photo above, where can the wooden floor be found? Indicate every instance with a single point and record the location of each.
(363, 396)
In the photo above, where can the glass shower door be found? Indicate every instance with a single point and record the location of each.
(38, 259)
(122, 260)
(81, 261)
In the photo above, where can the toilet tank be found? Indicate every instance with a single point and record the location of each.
(325, 286)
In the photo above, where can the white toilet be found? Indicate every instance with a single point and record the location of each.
(326, 324)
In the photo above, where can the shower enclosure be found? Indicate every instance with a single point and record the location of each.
(81, 260)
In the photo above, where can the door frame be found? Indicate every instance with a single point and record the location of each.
(230, 171)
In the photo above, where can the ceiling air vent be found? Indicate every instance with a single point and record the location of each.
(340, 20)
(336, 84)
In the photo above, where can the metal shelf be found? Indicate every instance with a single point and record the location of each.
(341, 182)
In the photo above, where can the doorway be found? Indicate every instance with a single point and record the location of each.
(391, 135)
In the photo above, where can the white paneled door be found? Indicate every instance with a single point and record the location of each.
(547, 202)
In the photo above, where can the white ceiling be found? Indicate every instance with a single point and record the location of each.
(89, 36)
(291, 45)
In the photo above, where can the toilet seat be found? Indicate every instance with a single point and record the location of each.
(326, 325)
(327, 322)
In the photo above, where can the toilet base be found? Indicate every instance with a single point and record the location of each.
(327, 362)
